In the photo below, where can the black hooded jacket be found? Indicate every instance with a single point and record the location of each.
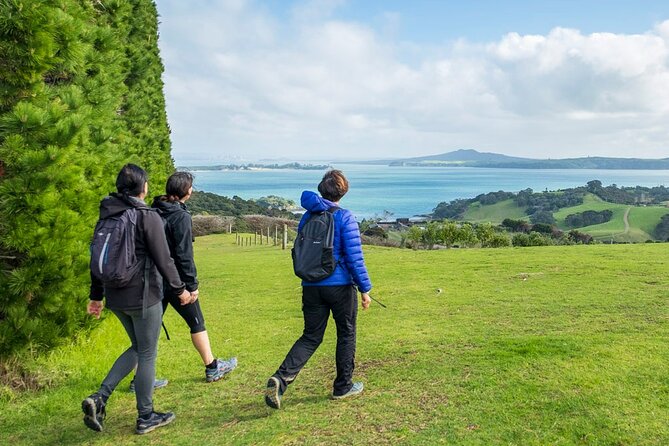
(149, 241)
(179, 232)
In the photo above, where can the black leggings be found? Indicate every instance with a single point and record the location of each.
(190, 313)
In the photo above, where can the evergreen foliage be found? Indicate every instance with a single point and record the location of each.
(71, 108)
(588, 218)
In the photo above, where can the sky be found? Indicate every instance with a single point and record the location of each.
(250, 80)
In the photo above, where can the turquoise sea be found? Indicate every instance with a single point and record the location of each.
(409, 191)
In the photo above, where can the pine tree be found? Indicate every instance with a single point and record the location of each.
(70, 102)
(144, 108)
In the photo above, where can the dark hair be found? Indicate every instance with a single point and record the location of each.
(131, 180)
(177, 185)
(333, 186)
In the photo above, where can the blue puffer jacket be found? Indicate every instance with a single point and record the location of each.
(347, 245)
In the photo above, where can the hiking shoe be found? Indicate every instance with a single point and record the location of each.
(273, 393)
(154, 421)
(157, 384)
(355, 390)
(94, 412)
(223, 367)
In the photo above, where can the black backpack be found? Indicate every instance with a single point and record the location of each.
(313, 257)
(113, 259)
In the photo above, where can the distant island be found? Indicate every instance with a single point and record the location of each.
(255, 166)
(473, 158)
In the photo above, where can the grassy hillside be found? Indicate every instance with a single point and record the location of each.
(642, 220)
(494, 213)
(523, 346)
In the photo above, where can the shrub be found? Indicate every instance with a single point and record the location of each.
(498, 240)
(211, 224)
(376, 232)
(379, 241)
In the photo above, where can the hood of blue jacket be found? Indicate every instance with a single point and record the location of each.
(313, 202)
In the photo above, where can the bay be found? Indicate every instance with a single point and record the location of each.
(410, 191)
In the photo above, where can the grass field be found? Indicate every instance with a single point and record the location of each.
(523, 346)
(642, 220)
(494, 213)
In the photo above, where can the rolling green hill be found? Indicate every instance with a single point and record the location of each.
(523, 346)
(494, 213)
(642, 220)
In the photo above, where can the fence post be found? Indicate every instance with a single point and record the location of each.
(230, 228)
(267, 239)
(285, 237)
(255, 238)
(276, 235)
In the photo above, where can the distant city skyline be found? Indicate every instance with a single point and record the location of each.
(333, 79)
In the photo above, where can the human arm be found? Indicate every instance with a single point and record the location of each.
(157, 248)
(181, 235)
(352, 252)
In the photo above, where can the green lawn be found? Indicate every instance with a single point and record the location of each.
(523, 346)
(494, 213)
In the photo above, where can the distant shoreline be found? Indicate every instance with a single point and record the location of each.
(256, 167)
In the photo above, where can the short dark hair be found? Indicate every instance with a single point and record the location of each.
(131, 180)
(177, 185)
(334, 185)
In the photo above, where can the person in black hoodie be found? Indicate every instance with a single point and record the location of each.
(179, 232)
(140, 313)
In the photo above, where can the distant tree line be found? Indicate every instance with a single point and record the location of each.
(448, 234)
(662, 229)
(214, 204)
(588, 218)
(249, 166)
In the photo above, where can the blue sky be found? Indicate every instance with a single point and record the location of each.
(336, 79)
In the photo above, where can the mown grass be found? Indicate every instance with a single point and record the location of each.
(494, 213)
(515, 346)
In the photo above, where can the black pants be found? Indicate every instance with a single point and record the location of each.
(317, 303)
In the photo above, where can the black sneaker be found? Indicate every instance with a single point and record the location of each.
(273, 393)
(94, 412)
(155, 420)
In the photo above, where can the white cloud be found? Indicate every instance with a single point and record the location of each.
(242, 80)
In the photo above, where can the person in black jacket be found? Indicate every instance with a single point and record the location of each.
(140, 313)
(179, 232)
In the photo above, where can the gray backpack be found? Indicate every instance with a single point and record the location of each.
(113, 259)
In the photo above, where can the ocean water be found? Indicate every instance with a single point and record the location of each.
(409, 191)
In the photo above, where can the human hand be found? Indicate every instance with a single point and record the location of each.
(195, 294)
(366, 300)
(94, 308)
(185, 297)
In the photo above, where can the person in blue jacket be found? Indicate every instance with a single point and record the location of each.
(335, 294)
